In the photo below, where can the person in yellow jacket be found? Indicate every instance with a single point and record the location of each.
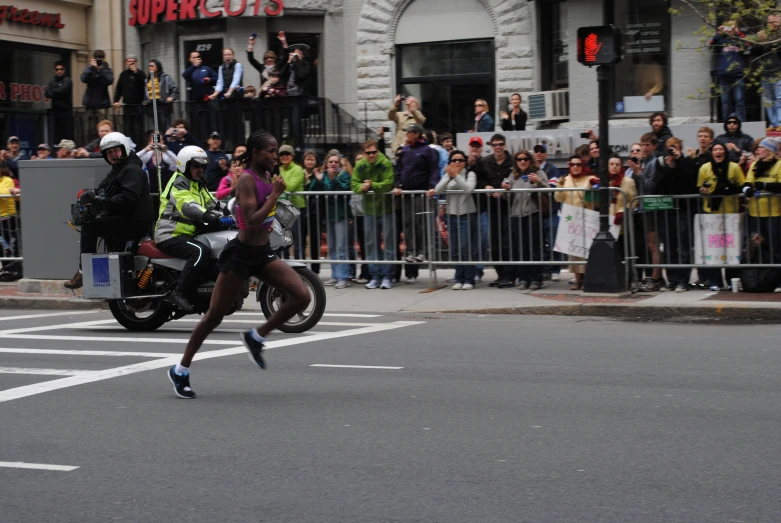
(294, 177)
(185, 206)
(404, 118)
(723, 180)
(763, 189)
(8, 225)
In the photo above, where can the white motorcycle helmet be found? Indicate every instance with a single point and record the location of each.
(115, 139)
(189, 156)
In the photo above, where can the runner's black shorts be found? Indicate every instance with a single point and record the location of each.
(245, 260)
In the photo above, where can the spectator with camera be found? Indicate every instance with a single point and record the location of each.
(730, 47)
(99, 77)
(722, 179)
(525, 209)
(120, 209)
(677, 177)
(404, 119)
(149, 160)
(179, 136)
(763, 191)
(12, 155)
(296, 66)
(737, 142)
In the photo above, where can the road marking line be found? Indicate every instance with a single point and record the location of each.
(356, 366)
(59, 326)
(48, 386)
(63, 352)
(183, 328)
(110, 339)
(325, 323)
(37, 466)
(47, 315)
(327, 314)
(44, 372)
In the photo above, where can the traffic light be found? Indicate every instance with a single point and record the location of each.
(600, 45)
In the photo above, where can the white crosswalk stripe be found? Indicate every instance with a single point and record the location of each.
(101, 329)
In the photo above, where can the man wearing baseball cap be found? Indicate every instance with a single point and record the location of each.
(550, 221)
(12, 155)
(65, 148)
(219, 164)
(416, 170)
(43, 152)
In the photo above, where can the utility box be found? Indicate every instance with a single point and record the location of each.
(110, 276)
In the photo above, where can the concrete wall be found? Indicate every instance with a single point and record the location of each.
(690, 67)
(51, 248)
(582, 80)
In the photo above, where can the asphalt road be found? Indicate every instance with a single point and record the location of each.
(489, 419)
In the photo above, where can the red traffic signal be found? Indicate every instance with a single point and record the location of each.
(600, 45)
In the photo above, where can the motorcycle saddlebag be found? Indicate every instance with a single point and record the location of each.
(108, 275)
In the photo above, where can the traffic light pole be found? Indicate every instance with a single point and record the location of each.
(605, 268)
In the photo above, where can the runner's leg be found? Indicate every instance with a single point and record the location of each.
(278, 274)
(226, 290)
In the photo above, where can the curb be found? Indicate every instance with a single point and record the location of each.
(648, 312)
(23, 302)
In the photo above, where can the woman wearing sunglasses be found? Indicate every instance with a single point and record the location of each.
(579, 177)
(526, 223)
(462, 217)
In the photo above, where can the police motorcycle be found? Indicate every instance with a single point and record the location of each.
(138, 282)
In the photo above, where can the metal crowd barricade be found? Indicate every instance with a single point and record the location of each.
(345, 228)
(705, 232)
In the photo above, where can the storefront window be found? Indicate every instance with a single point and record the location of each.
(555, 45)
(447, 78)
(641, 83)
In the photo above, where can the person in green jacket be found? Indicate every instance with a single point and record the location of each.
(294, 177)
(337, 213)
(373, 177)
(185, 206)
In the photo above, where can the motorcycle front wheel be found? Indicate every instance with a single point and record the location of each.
(140, 315)
(271, 299)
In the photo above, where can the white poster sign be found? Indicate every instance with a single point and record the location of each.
(577, 229)
(718, 239)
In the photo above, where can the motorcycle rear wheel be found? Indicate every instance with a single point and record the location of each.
(140, 315)
(271, 299)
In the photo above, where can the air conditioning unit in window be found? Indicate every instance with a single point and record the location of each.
(548, 105)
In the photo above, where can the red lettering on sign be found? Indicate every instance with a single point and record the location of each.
(2, 91)
(25, 16)
(158, 6)
(26, 88)
(238, 11)
(133, 16)
(205, 12)
(143, 12)
(170, 10)
(272, 11)
(187, 9)
(37, 93)
(15, 90)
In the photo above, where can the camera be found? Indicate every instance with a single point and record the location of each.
(88, 206)
(99, 62)
(404, 98)
(671, 151)
(634, 159)
(386, 129)
(585, 135)
(706, 185)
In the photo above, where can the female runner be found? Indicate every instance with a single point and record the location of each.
(247, 255)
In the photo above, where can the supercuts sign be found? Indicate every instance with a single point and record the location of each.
(143, 12)
(9, 13)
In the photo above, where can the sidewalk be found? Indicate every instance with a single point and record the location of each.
(554, 298)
